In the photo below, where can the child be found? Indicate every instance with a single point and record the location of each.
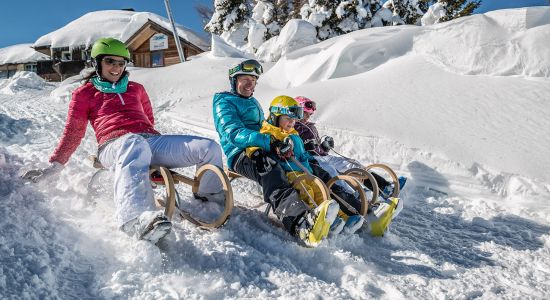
(284, 111)
(336, 165)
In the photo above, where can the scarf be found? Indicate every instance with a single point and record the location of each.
(107, 87)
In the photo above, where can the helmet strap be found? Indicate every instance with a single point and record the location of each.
(96, 62)
(273, 120)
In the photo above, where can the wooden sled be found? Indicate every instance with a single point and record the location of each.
(363, 173)
(323, 188)
(326, 188)
(171, 178)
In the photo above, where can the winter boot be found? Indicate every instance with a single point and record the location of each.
(336, 227)
(314, 226)
(150, 226)
(402, 181)
(380, 217)
(388, 190)
(353, 223)
(351, 199)
(398, 209)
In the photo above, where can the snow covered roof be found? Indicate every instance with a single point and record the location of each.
(18, 54)
(118, 24)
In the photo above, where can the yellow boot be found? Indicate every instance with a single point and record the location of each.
(314, 226)
(379, 219)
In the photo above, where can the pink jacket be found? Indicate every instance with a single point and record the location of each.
(111, 116)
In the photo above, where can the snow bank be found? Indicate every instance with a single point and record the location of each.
(511, 42)
(23, 81)
(119, 24)
(22, 53)
(220, 48)
(505, 43)
(295, 34)
(342, 56)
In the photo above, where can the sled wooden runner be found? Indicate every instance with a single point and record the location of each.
(354, 183)
(327, 193)
(171, 178)
(363, 173)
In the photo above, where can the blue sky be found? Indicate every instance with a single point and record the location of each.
(24, 21)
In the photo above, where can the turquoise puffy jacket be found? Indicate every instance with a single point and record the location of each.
(238, 121)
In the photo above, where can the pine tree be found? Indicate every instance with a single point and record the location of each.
(227, 15)
(408, 11)
(459, 8)
(295, 7)
(352, 15)
(321, 13)
(283, 11)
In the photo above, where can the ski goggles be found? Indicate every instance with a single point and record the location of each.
(249, 66)
(115, 62)
(310, 105)
(294, 112)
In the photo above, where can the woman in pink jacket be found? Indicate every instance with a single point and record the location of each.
(122, 117)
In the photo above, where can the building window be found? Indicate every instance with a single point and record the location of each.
(84, 55)
(66, 55)
(30, 67)
(157, 58)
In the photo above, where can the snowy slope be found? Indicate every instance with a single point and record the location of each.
(468, 126)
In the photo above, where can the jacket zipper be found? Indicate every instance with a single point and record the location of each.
(119, 95)
(121, 100)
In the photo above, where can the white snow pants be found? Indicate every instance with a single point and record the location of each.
(130, 156)
(335, 165)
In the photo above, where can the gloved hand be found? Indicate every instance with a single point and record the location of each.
(309, 145)
(282, 149)
(41, 174)
(328, 143)
(263, 163)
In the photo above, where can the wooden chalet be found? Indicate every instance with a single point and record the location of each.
(154, 46)
(8, 70)
(17, 58)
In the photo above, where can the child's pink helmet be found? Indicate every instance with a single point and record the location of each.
(308, 104)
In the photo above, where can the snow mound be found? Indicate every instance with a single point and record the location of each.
(22, 53)
(342, 56)
(64, 90)
(295, 35)
(23, 81)
(511, 42)
(220, 48)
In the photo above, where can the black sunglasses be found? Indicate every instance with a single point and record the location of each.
(115, 62)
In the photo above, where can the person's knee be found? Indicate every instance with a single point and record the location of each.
(213, 153)
(134, 149)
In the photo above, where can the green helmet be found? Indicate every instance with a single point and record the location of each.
(110, 46)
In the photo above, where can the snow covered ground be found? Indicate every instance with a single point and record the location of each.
(460, 108)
